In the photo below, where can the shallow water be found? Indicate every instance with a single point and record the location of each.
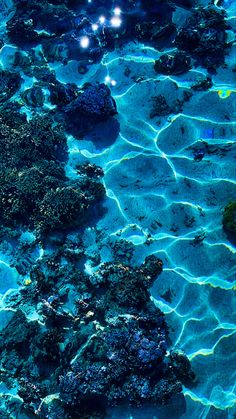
(160, 199)
(165, 202)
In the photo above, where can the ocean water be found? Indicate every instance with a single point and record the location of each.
(163, 200)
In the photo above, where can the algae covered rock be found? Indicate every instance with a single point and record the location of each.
(34, 189)
(66, 206)
(175, 63)
(94, 104)
(9, 84)
(203, 35)
(229, 218)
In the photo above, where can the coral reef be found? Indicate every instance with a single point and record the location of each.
(9, 84)
(90, 170)
(109, 348)
(80, 334)
(160, 107)
(34, 188)
(204, 36)
(66, 206)
(94, 104)
(229, 219)
(175, 63)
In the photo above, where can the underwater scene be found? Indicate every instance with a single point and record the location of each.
(117, 209)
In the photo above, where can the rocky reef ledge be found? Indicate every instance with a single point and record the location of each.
(98, 341)
(73, 343)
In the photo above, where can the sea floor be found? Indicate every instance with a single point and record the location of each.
(166, 202)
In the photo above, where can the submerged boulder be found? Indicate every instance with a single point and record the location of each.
(203, 35)
(9, 84)
(229, 219)
(93, 105)
(175, 63)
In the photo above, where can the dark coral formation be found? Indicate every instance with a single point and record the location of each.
(204, 84)
(182, 367)
(34, 188)
(175, 63)
(65, 206)
(229, 220)
(75, 344)
(109, 348)
(24, 27)
(60, 25)
(9, 84)
(160, 107)
(204, 36)
(122, 250)
(155, 33)
(90, 170)
(93, 105)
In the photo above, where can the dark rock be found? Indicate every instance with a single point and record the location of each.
(18, 334)
(22, 30)
(9, 84)
(199, 153)
(182, 366)
(160, 107)
(44, 74)
(153, 32)
(229, 218)
(175, 63)
(62, 94)
(203, 36)
(90, 170)
(202, 84)
(33, 97)
(93, 105)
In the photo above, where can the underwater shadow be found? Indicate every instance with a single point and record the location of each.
(173, 410)
(104, 134)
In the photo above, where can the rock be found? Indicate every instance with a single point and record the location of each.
(175, 63)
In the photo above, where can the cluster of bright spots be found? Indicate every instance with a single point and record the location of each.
(115, 20)
(108, 80)
(101, 21)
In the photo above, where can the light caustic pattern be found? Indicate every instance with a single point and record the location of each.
(167, 203)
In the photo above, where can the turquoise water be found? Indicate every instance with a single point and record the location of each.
(165, 202)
